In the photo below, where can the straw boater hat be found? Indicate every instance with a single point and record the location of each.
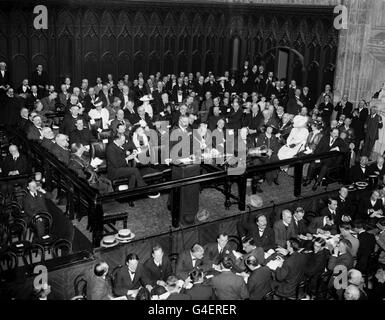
(146, 97)
(254, 200)
(125, 235)
(202, 215)
(300, 121)
(222, 78)
(109, 241)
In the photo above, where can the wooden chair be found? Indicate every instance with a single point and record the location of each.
(13, 210)
(18, 230)
(98, 149)
(33, 254)
(80, 288)
(41, 224)
(8, 261)
(62, 247)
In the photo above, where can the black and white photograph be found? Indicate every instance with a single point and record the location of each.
(194, 150)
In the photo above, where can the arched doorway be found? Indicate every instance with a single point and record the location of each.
(286, 63)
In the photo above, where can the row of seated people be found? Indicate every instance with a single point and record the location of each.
(219, 271)
(86, 134)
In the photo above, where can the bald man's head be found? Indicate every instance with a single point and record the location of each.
(352, 293)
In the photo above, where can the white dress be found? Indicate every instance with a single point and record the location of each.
(297, 136)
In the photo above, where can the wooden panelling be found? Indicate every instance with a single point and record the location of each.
(128, 37)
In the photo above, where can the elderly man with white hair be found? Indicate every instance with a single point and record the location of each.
(60, 149)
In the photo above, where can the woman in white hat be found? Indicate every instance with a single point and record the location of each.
(296, 140)
(146, 104)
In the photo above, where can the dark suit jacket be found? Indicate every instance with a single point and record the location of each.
(98, 289)
(266, 241)
(123, 282)
(235, 119)
(345, 208)
(356, 174)
(366, 248)
(61, 154)
(291, 274)
(4, 80)
(259, 283)
(282, 234)
(345, 259)
(116, 158)
(212, 255)
(68, 124)
(39, 80)
(155, 273)
(33, 133)
(84, 137)
(317, 223)
(201, 291)
(315, 265)
(229, 286)
(253, 122)
(293, 107)
(185, 266)
(347, 111)
(300, 227)
(365, 205)
(33, 205)
(21, 164)
(47, 144)
(373, 124)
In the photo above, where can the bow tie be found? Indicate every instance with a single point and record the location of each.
(131, 272)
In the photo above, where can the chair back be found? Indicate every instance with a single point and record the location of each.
(13, 210)
(4, 235)
(98, 149)
(18, 230)
(61, 248)
(97, 125)
(33, 254)
(236, 241)
(18, 195)
(42, 223)
(8, 261)
(80, 287)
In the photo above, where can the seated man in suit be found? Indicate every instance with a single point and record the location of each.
(81, 134)
(119, 120)
(190, 260)
(24, 121)
(345, 208)
(60, 149)
(323, 225)
(250, 249)
(360, 172)
(331, 209)
(119, 164)
(371, 208)
(329, 142)
(199, 290)
(129, 278)
(257, 228)
(341, 255)
(48, 139)
(316, 262)
(227, 285)
(157, 267)
(34, 132)
(14, 164)
(98, 287)
(260, 280)
(284, 229)
(378, 168)
(298, 222)
(69, 120)
(291, 270)
(214, 251)
(366, 247)
(33, 203)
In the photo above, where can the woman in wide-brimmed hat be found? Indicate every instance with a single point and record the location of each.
(146, 104)
(297, 139)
